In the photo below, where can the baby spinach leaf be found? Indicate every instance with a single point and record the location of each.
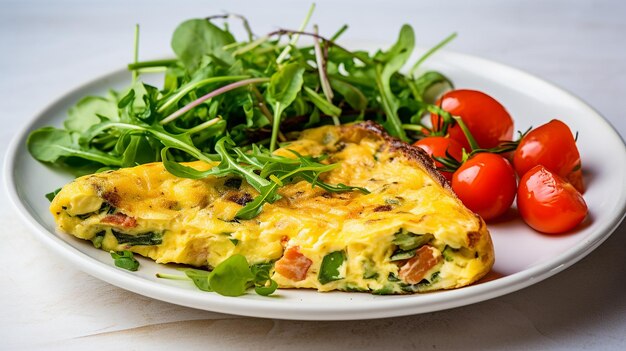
(428, 80)
(330, 267)
(282, 91)
(196, 38)
(409, 241)
(148, 238)
(199, 277)
(88, 111)
(232, 277)
(285, 85)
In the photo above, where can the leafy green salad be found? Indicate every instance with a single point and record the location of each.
(234, 101)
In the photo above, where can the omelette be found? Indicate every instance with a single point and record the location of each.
(409, 234)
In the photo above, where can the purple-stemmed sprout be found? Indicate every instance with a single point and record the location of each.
(210, 95)
(321, 68)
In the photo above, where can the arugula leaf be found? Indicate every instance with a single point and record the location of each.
(254, 207)
(135, 150)
(182, 171)
(321, 103)
(230, 164)
(191, 86)
(127, 99)
(287, 170)
(125, 259)
(49, 144)
(430, 52)
(177, 141)
(283, 170)
(333, 188)
(353, 95)
(395, 58)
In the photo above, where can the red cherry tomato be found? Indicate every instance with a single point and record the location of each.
(437, 147)
(548, 203)
(551, 145)
(486, 184)
(486, 118)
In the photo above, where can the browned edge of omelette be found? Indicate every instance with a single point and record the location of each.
(479, 239)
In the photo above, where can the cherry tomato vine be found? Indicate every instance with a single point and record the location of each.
(471, 142)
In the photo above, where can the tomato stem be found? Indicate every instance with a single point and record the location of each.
(470, 138)
(449, 119)
(415, 128)
(441, 113)
(503, 147)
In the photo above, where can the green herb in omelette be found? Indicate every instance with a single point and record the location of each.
(149, 238)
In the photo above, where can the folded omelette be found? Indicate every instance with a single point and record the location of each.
(409, 234)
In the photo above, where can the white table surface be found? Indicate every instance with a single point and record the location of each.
(49, 48)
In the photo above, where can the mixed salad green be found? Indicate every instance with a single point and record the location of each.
(234, 101)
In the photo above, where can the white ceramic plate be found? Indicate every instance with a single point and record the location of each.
(523, 256)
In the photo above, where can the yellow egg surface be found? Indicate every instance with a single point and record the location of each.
(409, 234)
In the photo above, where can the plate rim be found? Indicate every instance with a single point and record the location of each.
(388, 307)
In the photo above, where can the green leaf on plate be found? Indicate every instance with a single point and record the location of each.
(125, 259)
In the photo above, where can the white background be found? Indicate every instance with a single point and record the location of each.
(48, 48)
